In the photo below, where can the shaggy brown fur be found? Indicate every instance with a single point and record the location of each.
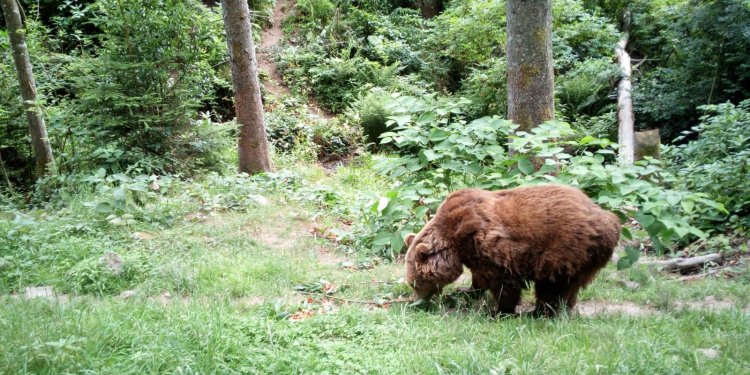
(552, 235)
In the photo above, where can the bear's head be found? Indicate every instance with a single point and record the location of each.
(431, 263)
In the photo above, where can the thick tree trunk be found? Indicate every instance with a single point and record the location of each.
(531, 81)
(430, 8)
(253, 144)
(625, 128)
(37, 129)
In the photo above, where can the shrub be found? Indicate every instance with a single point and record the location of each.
(586, 88)
(287, 127)
(316, 12)
(601, 126)
(153, 72)
(487, 88)
(717, 160)
(372, 115)
(334, 138)
(442, 152)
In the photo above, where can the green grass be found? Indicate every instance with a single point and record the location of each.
(231, 276)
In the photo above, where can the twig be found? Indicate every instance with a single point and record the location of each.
(5, 173)
(716, 73)
(372, 282)
(323, 295)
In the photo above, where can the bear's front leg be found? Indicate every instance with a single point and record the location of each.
(479, 285)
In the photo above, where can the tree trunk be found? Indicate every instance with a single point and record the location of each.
(531, 81)
(252, 144)
(430, 8)
(37, 129)
(625, 127)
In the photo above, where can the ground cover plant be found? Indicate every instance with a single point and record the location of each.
(144, 251)
(230, 287)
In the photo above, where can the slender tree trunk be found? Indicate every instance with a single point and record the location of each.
(253, 144)
(625, 118)
(430, 8)
(37, 129)
(531, 78)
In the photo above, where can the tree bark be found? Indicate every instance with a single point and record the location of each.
(430, 8)
(625, 118)
(252, 144)
(37, 128)
(531, 80)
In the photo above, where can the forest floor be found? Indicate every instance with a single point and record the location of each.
(266, 291)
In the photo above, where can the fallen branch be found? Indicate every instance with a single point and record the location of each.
(686, 264)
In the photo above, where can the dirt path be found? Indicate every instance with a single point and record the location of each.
(270, 39)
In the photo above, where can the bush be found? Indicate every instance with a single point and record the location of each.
(334, 138)
(338, 82)
(372, 115)
(487, 88)
(585, 89)
(442, 152)
(579, 35)
(154, 70)
(717, 160)
(602, 126)
(287, 127)
(316, 12)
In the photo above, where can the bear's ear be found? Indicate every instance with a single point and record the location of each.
(409, 238)
(421, 252)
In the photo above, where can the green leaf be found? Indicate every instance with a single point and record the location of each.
(431, 155)
(420, 211)
(401, 119)
(397, 242)
(632, 254)
(525, 166)
(426, 118)
(438, 135)
(104, 207)
(119, 193)
(626, 233)
(382, 204)
(644, 219)
(138, 187)
(495, 151)
(382, 239)
(687, 206)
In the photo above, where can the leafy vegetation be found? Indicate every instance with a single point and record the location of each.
(161, 258)
(716, 161)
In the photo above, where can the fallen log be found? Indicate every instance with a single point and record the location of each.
(684, 265)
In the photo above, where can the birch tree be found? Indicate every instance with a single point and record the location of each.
(625, 126)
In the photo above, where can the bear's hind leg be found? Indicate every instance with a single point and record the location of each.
(507, 297)
(551, 297)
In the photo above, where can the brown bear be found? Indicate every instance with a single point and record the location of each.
(553, 235)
